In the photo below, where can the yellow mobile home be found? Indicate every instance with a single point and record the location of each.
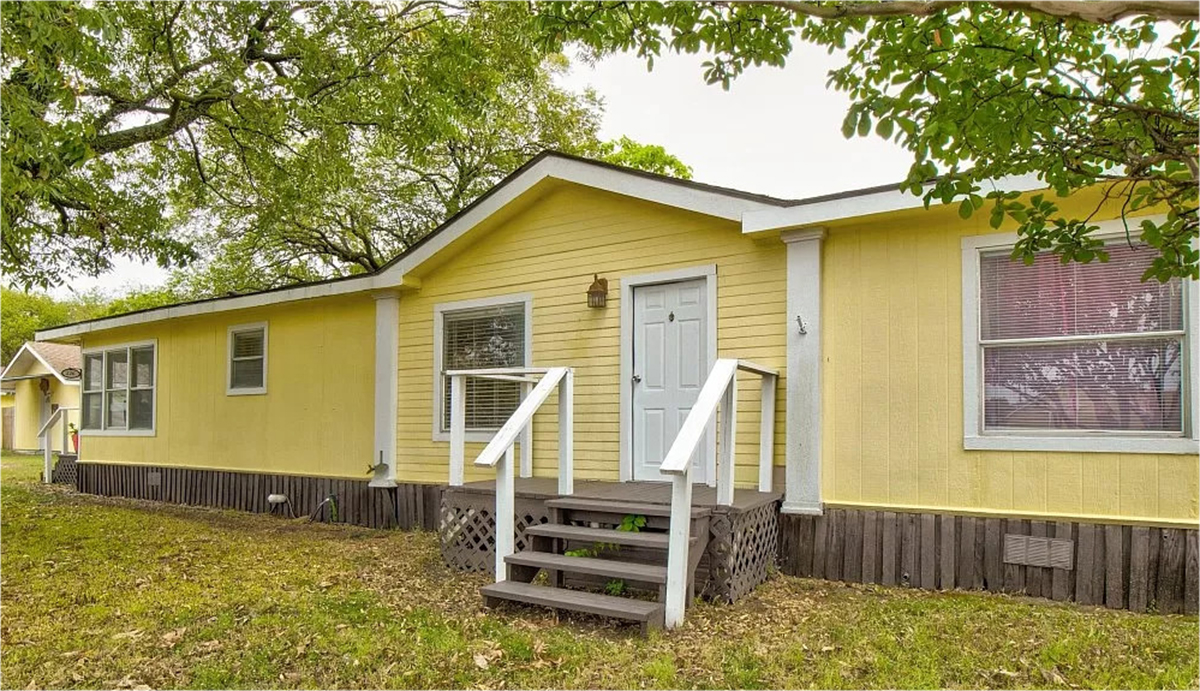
(858, 387)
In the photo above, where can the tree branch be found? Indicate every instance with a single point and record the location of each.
(1098, 12)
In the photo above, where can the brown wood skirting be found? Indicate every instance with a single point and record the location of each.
(1118, 566)
(407, 506)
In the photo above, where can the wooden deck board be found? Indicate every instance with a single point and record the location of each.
(639, 492)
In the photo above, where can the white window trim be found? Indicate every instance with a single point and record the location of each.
(439, 311)
(974, 438)
(153, 431)
(708, 272)
(246, 391)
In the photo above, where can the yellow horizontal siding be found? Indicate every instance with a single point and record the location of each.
(317, 417)
(550, 250)
(893, 386)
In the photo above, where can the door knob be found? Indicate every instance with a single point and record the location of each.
(637, 379)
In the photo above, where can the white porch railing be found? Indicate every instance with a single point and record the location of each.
(498, 453)
(61, 416)
(719, 392)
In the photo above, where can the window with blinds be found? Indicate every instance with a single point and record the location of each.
(480, 338)
(248, 359)
(118, 388)
(1080, 347)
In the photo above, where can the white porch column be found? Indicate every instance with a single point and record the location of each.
(803, 433)
(387, 369)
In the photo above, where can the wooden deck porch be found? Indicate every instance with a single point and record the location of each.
(739, 546)
(542, 488)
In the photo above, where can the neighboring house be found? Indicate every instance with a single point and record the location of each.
(935, 398)
(43, 377)
(8, 399)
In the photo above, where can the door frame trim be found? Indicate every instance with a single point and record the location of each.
(709, 273)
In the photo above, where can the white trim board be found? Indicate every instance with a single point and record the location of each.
(627, 284)
(855, 205)
(974, 438)
(439, 311)
(802, 431)
(387, 389)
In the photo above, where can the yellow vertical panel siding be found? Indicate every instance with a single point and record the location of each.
(892, 305)
(550, 250)
(1064, 483)
(1029, 481)
(1138, 485)
(933, 388)
(1102, 484)
(841, 406)
(1178, 488)
(26, 421)
(873, 472)
(901, 327)
(317, 417)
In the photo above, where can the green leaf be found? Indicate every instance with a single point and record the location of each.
(965, 209)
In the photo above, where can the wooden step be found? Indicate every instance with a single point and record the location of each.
(623, 508)
(648, 614)
(608, 568)
(602, 535)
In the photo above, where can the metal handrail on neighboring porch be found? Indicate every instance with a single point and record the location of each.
(498, 453)
(719, 392)
(61, 415)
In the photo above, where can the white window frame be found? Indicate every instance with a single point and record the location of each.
(1100, 441)
(105, 431)
(252, 390)
(439, 334)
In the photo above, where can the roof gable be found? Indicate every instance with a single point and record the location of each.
(35, 359)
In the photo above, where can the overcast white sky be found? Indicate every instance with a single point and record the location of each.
(776, 131)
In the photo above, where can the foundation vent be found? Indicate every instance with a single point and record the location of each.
(1045, 552)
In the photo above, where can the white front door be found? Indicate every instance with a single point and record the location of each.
(670, 362)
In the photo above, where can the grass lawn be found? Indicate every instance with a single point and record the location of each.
(117, 593)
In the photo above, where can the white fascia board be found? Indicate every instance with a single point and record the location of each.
(708, 202)
(318, 290)
(800, 215)
(25, 349)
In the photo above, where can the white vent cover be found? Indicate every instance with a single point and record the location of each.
(1045, 552)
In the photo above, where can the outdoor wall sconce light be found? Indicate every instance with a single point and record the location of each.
(598, 292)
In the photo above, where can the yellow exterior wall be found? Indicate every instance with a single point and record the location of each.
(551, 250)
(27, 420)
(317, 417)
(892, 400)
(7, 401)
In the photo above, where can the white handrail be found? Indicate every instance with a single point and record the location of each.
(60, 415)
(679, 457)
(498, 453)
(508, 432)
(719, 392)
